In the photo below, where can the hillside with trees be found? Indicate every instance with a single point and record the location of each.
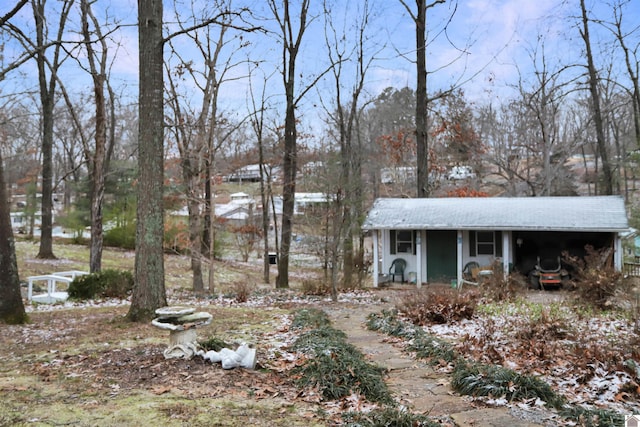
(294, 87)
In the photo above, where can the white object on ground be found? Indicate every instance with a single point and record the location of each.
(244, 357)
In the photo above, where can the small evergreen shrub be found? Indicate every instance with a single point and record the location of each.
(475, 379)
(397, 417)
(84, 287)
(104, 284)
(116, 283)
(121, 237)
(335, 367)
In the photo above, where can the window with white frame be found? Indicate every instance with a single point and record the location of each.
(485, 243)
(402, 241)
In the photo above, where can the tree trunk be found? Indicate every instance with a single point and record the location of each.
(99, 158)
(191, 178)
(595, 98)
(47, 93)
(291, 45)
(11, 306)
(206, 209)
(149, 291)
(264, 198)
(422, 141)
(288, 183)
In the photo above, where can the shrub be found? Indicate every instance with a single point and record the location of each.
(388, 417)
(104, 284)
(121, 237)
(442, 306)
(84, 287)
(334, 366)
(315, 287)
(476, 379)
(595, 280)
(243, 291)
(498, 288)
(549, 325)
(116, 283)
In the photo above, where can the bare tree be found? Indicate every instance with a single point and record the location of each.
(11, 305)
(149, 291)
(193, 131)
(630, 51)
(422, 128)
(343, 117)
(595, 100)
(291, 39)
(544, 100)
(98, 158)
(47, 100)
(258, 109)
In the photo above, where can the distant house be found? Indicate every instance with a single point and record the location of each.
(251, 173)
(248, 173)
(437, 237)
(240, 209)
(397, 175)
(304, 202)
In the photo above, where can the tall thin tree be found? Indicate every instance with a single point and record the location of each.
(149, 291)
(595, 100)
(98, 158)
(47, 100)
(291, 41)
(422, 136)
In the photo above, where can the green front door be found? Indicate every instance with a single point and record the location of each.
(441, 255)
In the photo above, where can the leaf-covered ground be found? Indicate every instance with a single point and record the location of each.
(84, 364)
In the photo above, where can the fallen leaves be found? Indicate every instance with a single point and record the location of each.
(583, 358)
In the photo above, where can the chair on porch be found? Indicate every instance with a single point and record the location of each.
(397, 269)
(470, 271)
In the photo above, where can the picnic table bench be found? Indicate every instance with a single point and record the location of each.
(52, 295)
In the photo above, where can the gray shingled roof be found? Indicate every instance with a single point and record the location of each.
(599, 213)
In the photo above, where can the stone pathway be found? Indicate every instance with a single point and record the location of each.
(416, 384)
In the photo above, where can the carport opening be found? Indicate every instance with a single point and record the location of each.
(550, 245)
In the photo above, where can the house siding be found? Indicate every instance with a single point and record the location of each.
(601, 219)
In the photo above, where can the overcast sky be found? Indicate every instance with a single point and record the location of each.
(485, 43)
